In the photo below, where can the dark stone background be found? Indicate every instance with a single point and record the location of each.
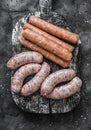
(78, 15)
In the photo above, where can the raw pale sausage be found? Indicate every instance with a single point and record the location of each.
(21, 74)
(24, 58)
(66, 90)
(34, 84)
(55, 78)
(47, 44)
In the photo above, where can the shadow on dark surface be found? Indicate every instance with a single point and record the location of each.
(78, 15)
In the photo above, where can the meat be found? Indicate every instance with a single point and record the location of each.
(34, 84)
(47, 44)
(45, 53)
(66, 90)
(24, 58)
(21, 74)
(54, 30)
(55, 78)
(53, 38)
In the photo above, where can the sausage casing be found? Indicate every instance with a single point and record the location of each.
(66, 90)
(54, 30)
(24, 58)
(47, 44)
(47, 35)
(34, 84)
(45, 53)
(21, 74)
(55, 78)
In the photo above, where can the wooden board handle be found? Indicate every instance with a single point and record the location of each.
(45, 6)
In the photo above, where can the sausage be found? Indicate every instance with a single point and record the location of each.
(33, 85)
(55, 78)
(24, 58)
(45, 34)
(66, 90)
(21, 74)
(47, 44)
(45, 53)
(54, 30)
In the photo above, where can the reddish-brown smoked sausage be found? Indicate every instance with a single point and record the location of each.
(47, 44)
(54, 30)
(45, 53)
(45, 34)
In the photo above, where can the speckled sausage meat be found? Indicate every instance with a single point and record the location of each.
(45, 53)
(33, 85)
(47, 35)
(47, 44)
(21, 74)
(24, 58)
(66, 90)
(54, 30)
(55, 78)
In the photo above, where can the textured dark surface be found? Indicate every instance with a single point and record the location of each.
(78, 15)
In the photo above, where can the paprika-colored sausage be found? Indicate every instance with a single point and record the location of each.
(45, 53)
(47, 44)
(45, 34)
(54, 30)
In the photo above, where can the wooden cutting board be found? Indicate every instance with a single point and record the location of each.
(36, 103)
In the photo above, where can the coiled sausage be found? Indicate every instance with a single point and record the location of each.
(66, 90)
(34, 84)
(21, 74)
(55, 78)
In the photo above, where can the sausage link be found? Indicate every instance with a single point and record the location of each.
(54, 30)
(55, 78)
(24, 58)
(21, 74)
(47, 44)
(66, 90)
(45, 34)
(45, 53)
(34, 84)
